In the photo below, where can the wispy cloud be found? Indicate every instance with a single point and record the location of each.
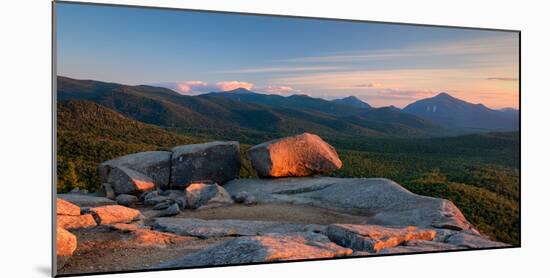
(503, 79)
(282, 69)
(491, 46)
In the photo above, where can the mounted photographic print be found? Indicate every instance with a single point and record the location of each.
(188, 138)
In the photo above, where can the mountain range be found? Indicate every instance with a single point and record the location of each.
(456, 114)
(243, 111)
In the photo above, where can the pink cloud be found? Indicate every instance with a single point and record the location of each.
(189, 86)
(232, 85)
(279, 90)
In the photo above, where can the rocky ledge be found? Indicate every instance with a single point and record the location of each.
(171, 202)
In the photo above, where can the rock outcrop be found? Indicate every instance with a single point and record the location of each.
(153, 164)
(206, 195)
(86, 200)
(381, 201)
(230, 227)
(216, 161)
(114, 214)
(298, 156)
(372, 238)
(263, 249)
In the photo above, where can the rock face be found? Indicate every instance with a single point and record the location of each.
(231, 227)
(127, 181)
(206, 195)
(66, 208)
(381, 201)
(76, 222)
(303, 155)
(263, 249)
(114, 214)
(153, 164)
(82, 200)
(372, 238)
(214, 161)
(65, 242)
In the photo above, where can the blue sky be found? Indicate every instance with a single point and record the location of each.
(195, 52)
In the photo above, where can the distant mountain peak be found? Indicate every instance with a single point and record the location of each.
(353, 101)
(444, 95)
(239, 91)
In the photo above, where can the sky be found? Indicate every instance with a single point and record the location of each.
(197, 52)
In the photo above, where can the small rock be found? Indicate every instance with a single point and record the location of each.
(114, 214)
(126, 200)
(152, 201)
(66, 208)
(164, 204)
(206, 195)
(245, 198)
(148, 195)
(172, 210)
(298, 156)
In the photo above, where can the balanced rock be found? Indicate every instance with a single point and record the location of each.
(257, 249)
(206, 195)
(76, 222)
(154, 164)
(214, 161)
(65, 242)
(302, 155)
(66, 208)
(372, 238)
(114, 214)
(126, 200)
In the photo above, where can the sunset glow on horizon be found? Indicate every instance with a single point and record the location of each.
(198, 52)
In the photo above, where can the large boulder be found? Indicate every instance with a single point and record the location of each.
(214, 161)
(206, 195)
(373, 238)
(302, 155)
(66, 208)
(76, 222)
(86, 200)
(229, 227)
(380, 201)
(153, 164)
(124, 180)
(258, 249)
(114, 214)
